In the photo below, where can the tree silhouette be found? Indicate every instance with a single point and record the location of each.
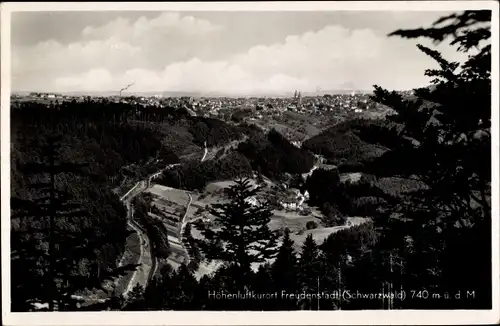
(284, 271)
(135, 299)
(47, 250)
(242, 236)
(309, 268)
(448, 124)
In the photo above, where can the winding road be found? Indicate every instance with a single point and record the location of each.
(183, 226)
(205, 152)
(140, 275)
(147, 261)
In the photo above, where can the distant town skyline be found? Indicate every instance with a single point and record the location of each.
(190, 93)
(237, 53)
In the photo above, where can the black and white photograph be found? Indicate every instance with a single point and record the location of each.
(200, 158)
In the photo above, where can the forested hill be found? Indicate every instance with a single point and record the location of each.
(96, 146)
(270, 154)
(352, 143)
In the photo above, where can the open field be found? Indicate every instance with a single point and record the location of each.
(281, 219)
(167, 194)
(291, 220)
(350, 177)
(172, 205)
(218, 187)
(213, 193)
(320, 234)
(141, 275)
(130, 256)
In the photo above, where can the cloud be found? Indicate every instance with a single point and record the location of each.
(193, 75)
(95, 79)
(119, 45)
(175, 52)
(164, 24)
(335, 56)
(51, 58)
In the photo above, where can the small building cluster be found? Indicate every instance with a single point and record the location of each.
(293, 199)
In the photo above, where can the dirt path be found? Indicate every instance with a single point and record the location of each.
(183, 226)
(204, 154)
(140, 275)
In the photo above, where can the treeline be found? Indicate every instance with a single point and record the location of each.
(95, 110)
(345, 261)
(338, 200)
(351, 143)
(195, 175)
(273, 155)
(58, 246)
(55, 206)
(101, 131)
(214, 132)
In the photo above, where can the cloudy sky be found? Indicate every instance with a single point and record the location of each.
(229, 52)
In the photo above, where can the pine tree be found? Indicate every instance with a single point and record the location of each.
(184, 286)
(51, 244)
(264, 283)
(244, 236)
(135, 299)
(309, 268)
(448, 125)
(157, 295)
(284, 271)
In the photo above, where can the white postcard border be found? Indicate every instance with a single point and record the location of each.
(396, 317)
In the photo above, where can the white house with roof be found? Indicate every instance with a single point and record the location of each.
(252, 201)
(294, 199)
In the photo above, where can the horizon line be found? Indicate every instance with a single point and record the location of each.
(200, 93)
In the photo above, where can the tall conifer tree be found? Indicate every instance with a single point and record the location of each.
(242, 236)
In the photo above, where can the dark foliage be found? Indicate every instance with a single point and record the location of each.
(449, 152)
(196, 175)
(214, 132)
(55, 248)
(155, 229)
(243, 237)
(353, 142)
(275, 155)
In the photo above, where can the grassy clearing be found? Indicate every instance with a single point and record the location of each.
(320, 234)
(131, 256)
(280, 220)
(291, 220)
(169, 195)
(397, 187)
(172, 205)
(350, 177)
(216, 187)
